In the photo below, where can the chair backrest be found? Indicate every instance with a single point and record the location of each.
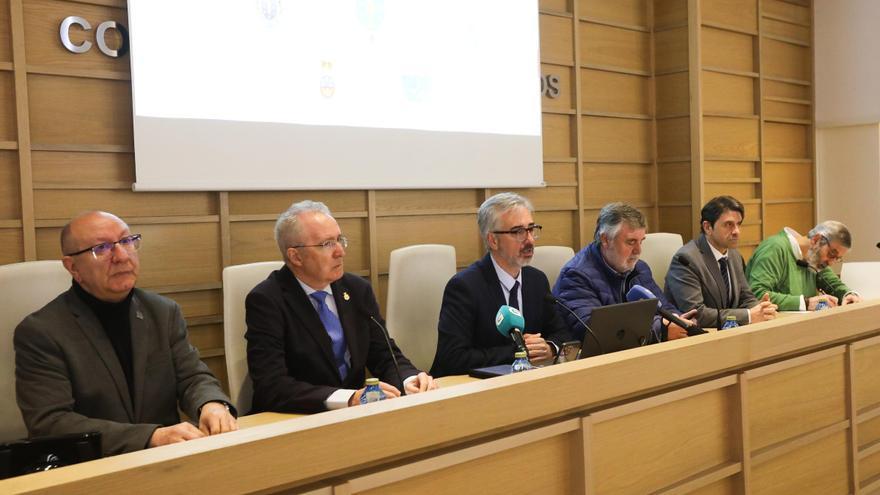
(24, 288)
(657, 251)
(238, 280)
(417, 276)
(862, 277)
(551, 259)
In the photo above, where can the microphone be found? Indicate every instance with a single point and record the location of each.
(362, 308)
(549, 297)
(804, 264)
(687, 263)
(637, 293)
(510, 322)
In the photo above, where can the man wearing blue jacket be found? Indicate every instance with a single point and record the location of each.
(603, 271)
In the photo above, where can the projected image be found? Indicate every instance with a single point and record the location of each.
(355, 87)
(408, 64)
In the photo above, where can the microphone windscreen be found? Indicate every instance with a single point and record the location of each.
(637, 293)
(550, 298)
(684, 261)
(802, 263)
(508, 318)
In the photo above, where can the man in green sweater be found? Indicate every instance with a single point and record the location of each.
(793, 268)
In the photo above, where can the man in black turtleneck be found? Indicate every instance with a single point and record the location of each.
(105, 356)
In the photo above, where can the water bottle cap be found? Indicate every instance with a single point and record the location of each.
(372, 381)
(520, 355)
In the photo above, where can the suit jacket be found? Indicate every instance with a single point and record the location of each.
(467, 337)
(700, 285)
(290, 357)
(69, 380)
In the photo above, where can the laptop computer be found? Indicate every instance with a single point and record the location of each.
(619, 327)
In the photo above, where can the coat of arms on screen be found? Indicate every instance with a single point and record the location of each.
(328, 84)
(269, 8)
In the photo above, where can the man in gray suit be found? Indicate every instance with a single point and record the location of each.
(107, 357)
(707, 273)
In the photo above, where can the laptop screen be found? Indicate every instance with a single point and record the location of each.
(619, 327)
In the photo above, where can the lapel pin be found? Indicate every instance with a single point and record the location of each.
(345, 296)
(140, 316)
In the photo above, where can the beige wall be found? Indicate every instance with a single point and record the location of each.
(847, 116)
(662, 101)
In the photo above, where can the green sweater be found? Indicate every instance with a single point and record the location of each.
(773, 269)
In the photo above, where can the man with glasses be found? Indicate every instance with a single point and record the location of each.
(108, 357)
(794, 269)
(467, 336)
(604, 271)
(313, 329)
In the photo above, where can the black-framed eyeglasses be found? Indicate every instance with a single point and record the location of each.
(833, 254)
(522, 232)
(329, 244)
(130, 243)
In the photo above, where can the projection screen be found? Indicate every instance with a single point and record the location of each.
(335, 94)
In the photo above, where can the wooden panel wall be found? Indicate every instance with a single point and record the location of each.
(621, 129)
(752, 80)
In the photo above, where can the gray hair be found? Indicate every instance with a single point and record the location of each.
(613, 215)
(494, 207)
(833, 231)
(287, 228)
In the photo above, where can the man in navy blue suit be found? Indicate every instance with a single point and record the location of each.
(467, 335)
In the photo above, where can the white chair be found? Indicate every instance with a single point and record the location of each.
(862, 277)
(551, 259)
(417, 276)
(238, 281)
(24, 288)
(657, 251)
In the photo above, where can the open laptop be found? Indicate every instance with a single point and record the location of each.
(619, 327)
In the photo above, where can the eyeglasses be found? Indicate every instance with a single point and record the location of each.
(130, 243)
(522, 232)
(832, 253)
(329, 244)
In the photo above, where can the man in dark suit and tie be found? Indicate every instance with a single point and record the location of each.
(309, 330)
(108, 357)
(708, 274)
(467, 335)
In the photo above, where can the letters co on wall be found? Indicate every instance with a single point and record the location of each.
(100, 36)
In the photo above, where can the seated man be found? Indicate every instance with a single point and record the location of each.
(467, 336)
(708, 273)
(309, 328)
(107, 357)
(793, 269)
(605, 270)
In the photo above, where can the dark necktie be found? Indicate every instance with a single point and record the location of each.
(334, 330)
(513, 299)
(725, 276)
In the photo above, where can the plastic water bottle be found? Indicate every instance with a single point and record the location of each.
(520, 363)
(729, 322)
(373, 393)
(823, 304)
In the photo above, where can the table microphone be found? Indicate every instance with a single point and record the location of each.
(361, 307)
(552, 299)
(637, 293)
(510, 323)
